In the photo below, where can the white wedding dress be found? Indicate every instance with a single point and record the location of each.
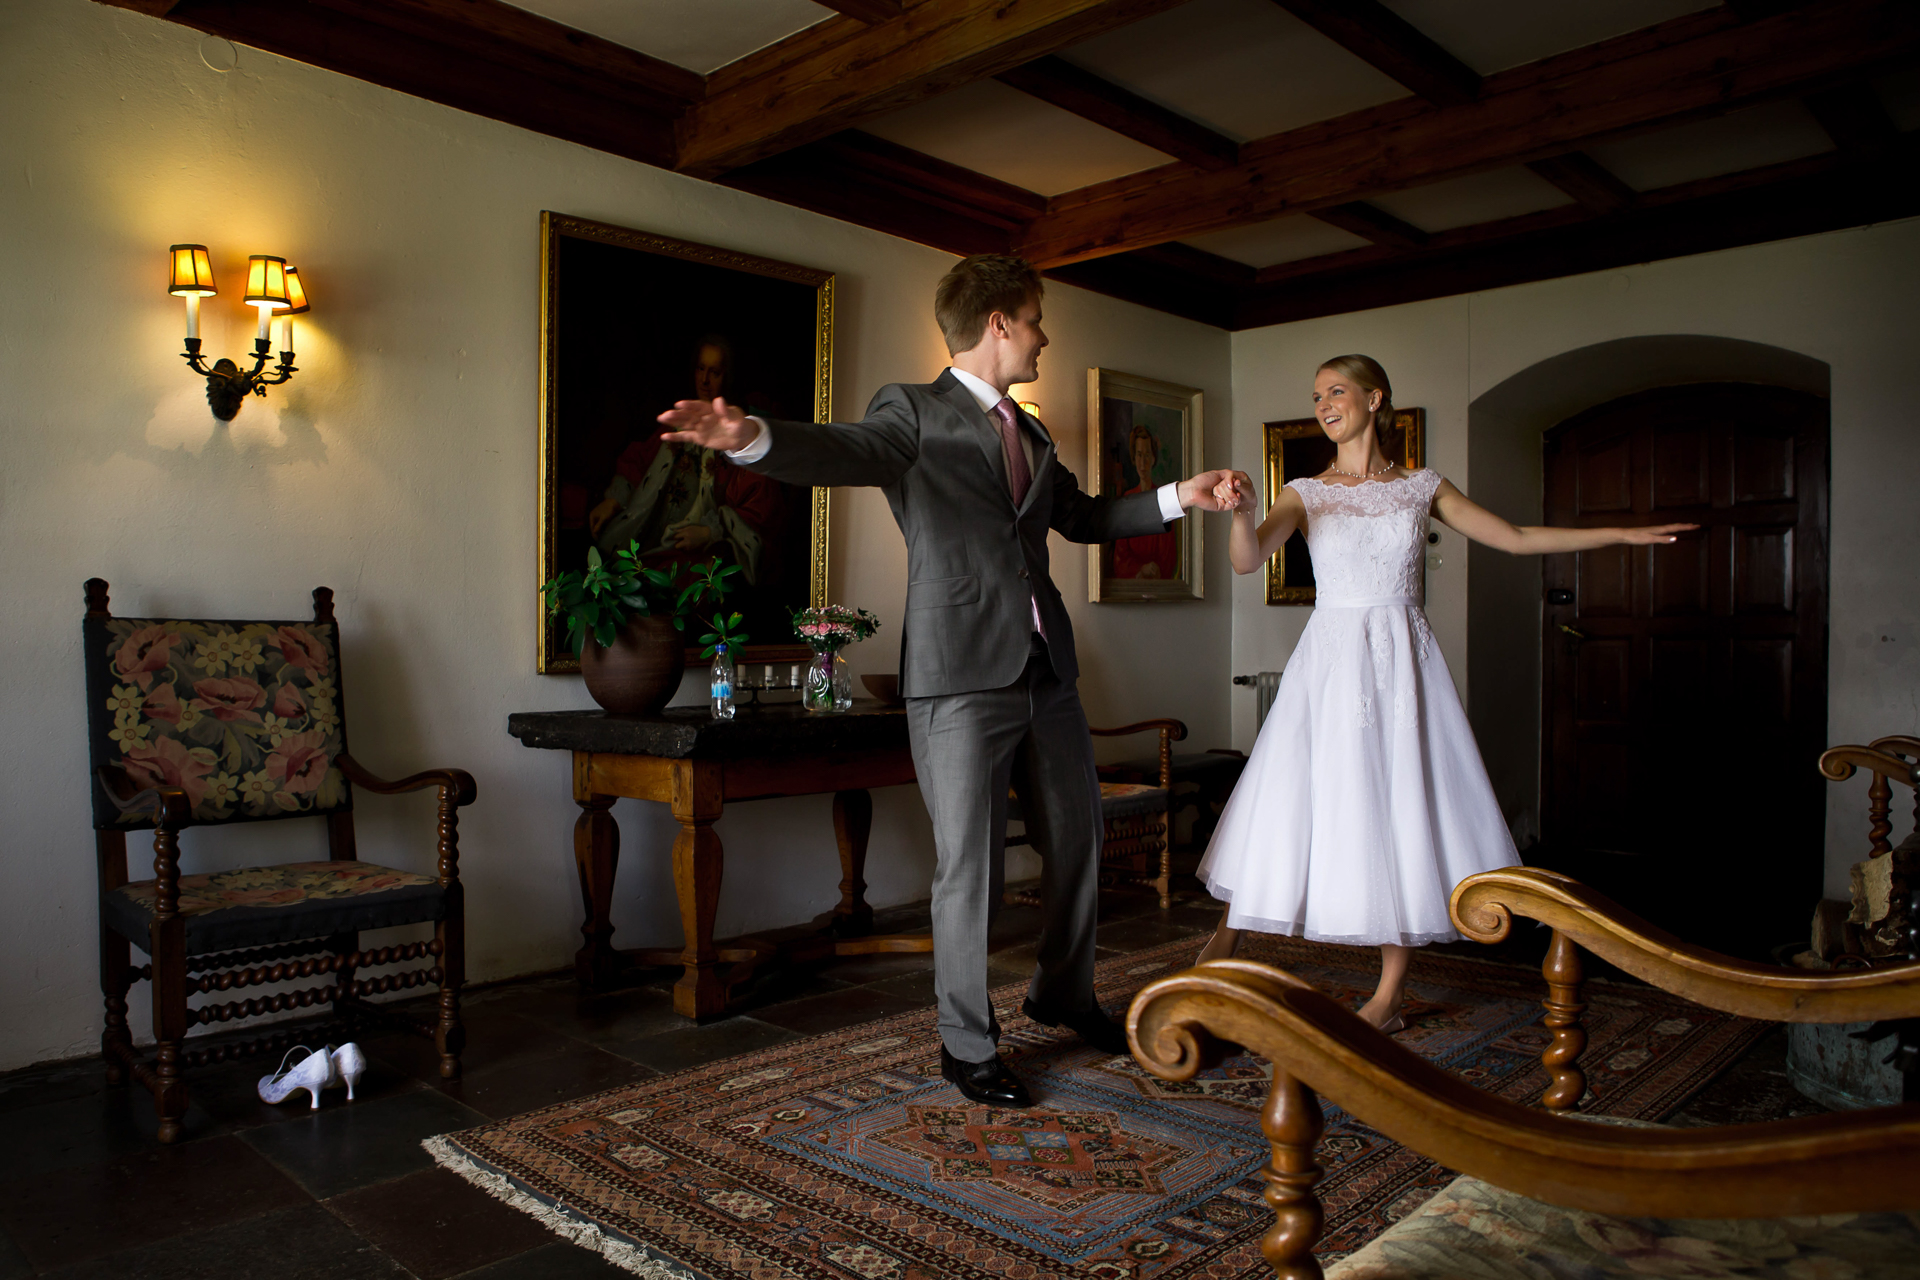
(1364, 801)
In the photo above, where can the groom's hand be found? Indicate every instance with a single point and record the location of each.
(1205, 491)
(718, 425)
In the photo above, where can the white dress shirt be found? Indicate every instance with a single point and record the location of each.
(986, 397)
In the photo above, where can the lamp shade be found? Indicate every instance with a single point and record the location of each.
(1033, 410)
(267, 282)
(297, 303)
(192, 272)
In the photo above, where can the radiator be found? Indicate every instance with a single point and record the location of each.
(1265, 685)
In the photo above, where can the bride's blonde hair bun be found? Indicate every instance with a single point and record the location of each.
(1366, 371)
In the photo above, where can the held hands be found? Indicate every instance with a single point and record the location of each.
(1235, 493)
(718, 425)
(1208, 490)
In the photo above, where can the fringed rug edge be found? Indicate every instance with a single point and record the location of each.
(575, 1228)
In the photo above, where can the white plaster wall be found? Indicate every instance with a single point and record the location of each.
(399, 468)
(1844, 298)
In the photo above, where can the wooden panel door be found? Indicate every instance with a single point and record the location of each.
(1685, 693)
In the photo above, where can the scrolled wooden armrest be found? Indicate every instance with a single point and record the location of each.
(1897, 742)
(169, 805)
(1855, 1161)
(457, 781)
(1839, 763)
(1483, 907)
(1178, 730)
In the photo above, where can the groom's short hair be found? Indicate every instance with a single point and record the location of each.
(975, 289)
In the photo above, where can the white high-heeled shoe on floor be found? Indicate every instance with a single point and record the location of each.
(349, 1064)
(312, 1073)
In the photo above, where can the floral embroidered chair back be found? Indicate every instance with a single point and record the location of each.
(245, 717)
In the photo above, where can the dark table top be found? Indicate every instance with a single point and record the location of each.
(679, 733)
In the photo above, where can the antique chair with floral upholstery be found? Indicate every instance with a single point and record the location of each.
(203, 723)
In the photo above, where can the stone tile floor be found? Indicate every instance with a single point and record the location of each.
(346, 1191)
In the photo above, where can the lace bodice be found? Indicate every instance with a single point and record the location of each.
(1368, 539)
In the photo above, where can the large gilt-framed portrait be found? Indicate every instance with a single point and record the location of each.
(631, 322)
(1143, 433)
(1298, 448)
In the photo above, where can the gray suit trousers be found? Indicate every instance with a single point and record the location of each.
(968, 748)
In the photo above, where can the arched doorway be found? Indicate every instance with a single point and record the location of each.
(1683, 687)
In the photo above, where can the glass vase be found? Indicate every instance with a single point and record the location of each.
(829, 687)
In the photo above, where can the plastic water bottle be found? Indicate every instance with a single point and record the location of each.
(720, 683)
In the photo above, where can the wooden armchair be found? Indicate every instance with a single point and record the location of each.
(1851, 1162)
(1137, 819)
(201, 723)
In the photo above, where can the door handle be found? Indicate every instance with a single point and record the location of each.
(1575, 632)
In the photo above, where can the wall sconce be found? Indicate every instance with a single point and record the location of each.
(274, 289)
(1033, 410)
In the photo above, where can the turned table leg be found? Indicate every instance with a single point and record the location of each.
(852, 825)
(698, 863)
(596, 853)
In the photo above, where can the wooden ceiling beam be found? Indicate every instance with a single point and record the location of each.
(526, 71)
(1379, 36)
(1587, 181)
(1854, 118)
(501, 33)
(1370, 223)
(839, 72)
(1688, 68)
(1772, 203)
(879, 184)
(1071, 88)
(871, 12)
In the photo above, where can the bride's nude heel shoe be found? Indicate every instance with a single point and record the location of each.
(349, 1064)
(312, 1073)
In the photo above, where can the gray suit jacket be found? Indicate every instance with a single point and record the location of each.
(973, 560)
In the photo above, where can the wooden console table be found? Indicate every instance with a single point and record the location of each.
(684, 758)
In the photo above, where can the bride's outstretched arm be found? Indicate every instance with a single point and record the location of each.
(1458, 512)
(1253, 540)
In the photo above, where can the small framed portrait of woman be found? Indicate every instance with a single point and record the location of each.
(1143, 433)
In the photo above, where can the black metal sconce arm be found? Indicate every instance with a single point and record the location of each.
(227, 387)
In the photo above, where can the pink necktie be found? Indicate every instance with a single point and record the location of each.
(1019, 476)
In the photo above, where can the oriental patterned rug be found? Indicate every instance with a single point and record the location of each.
(846, 1157)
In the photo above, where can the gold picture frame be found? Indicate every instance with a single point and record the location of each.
(631, 322)
(1136, 423)
(1297, 448)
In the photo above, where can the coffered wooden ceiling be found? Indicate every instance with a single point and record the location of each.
(1240, 162)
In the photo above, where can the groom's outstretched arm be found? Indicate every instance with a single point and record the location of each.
(877, 451)
(1080, 516)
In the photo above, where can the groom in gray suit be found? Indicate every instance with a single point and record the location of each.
(987, 661)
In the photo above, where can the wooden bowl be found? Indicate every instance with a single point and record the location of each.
(885, 688)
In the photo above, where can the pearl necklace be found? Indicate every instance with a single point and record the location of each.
(1353, 476)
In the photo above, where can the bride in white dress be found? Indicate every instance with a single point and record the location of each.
(1364, 800)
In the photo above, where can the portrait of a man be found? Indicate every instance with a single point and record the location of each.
(738, 327)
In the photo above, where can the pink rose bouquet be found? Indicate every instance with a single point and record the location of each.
(834, 626)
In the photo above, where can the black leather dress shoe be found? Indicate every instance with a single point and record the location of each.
(1093, 1026)
(990, 1082)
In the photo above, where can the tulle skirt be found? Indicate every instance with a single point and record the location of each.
(1364, 801)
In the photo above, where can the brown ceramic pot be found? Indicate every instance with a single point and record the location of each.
(641, 672)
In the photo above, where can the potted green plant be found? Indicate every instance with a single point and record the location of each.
(625, 621)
